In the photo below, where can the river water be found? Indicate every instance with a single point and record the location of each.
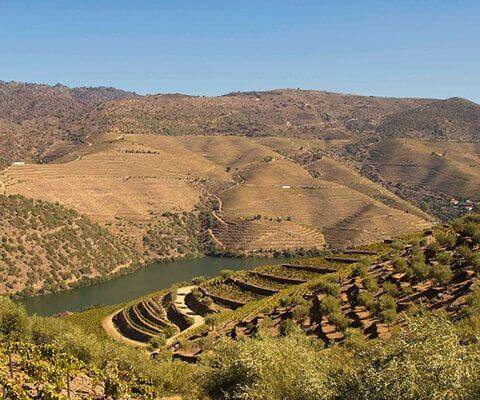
(156, 276)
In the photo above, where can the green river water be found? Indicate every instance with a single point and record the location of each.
(152, 278)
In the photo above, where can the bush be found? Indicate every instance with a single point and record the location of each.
(340, 321)
(301, 312)
(198, 280)
(388, 316)
(327, 287)
(288, 327)
(432, 249)
(400, 266)
(157, 342)
(446, 239)
(418, 254)
(420, 270)
(226, 273)
(329, 305)
(13, 320)
(427, 361)
(444, 257)
(367, 300)
(441, 273)
(390, 288)
(370, 283)
(271, 369)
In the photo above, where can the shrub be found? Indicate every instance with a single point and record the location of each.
(329, 305)
(198, 280)
(367, 300)
(288, 327)
(362, 270)
(420, 269)
(340, 321)
(13, 319)
(226, 273)
(370, 283)
(388, 316)
(432, 249)
(301, 312)
(444, 257)
(400, 266)
(272, 368)
(446, 239)
(157, 342)
(417, 254)
(441, 273)
(390, 288)
(327, 287)
(427, 361)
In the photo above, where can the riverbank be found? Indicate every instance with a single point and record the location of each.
(152, 278)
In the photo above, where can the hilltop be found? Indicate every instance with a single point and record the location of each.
(40, 122)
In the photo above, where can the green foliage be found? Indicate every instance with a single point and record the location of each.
(444, 257)
(340, 321)
(327, 287)
(226, 273)
(390, 288)
(329, 305)
(420, 270)
(268, 369)
(446, 239)
(427, 362)
(400, 266)
(198, 280)
(367, 300)
(432, 249)
(441, 273)
(301, 312)
(13, 320)
(370, 283)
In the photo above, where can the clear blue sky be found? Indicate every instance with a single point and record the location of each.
(394, 48)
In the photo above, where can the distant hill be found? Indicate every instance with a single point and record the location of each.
(283, 112)
(40, 122)
(452, 119)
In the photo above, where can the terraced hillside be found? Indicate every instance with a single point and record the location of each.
(443, 176)
(46, 247)
(240, 195)
(368, 292)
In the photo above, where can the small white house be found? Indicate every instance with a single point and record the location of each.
(286, 187)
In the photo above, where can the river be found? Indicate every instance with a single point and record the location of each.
(146, 280)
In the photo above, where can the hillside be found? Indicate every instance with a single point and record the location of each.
(451, 119)
(442, 177)
(336, 326)
(245, 196)
(46, 247)
(283, 112)
(372, 290)
(41, 122)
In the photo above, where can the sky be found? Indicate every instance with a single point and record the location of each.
(398, 48)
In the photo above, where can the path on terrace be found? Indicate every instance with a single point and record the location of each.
(184, 309)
